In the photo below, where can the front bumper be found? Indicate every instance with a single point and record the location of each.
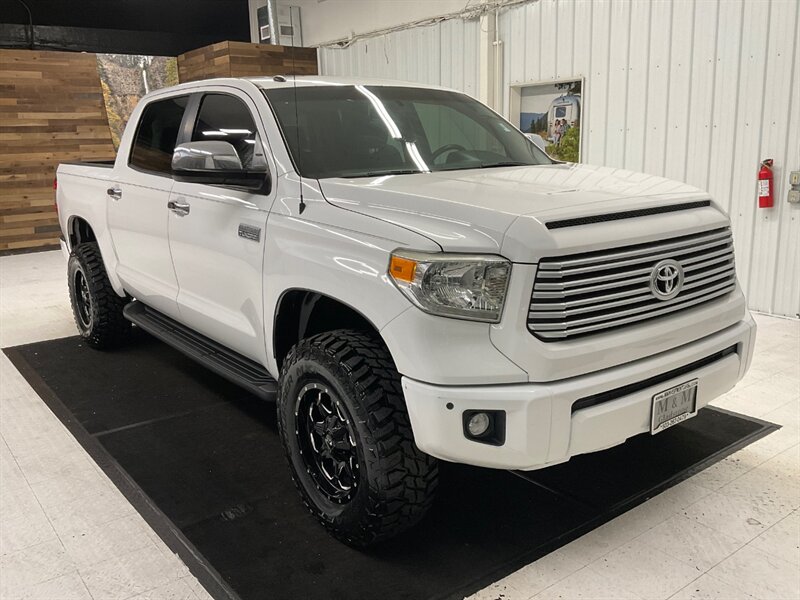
(541, 426)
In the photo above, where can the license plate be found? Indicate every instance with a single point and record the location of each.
(674, 405)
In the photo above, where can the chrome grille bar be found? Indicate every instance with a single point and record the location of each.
(719, 247)
(582, 294)
(638, 250)
(652, 302)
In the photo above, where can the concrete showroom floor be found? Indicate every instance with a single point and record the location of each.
(730, 532)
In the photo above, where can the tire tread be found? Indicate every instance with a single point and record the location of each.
(407, 478)
(110, 329)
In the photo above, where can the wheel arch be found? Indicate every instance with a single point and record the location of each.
(301, 312)
(80, 231)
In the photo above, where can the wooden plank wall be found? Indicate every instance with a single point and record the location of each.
(51, 110)
(240, 59)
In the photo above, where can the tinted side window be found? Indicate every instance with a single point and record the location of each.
(227, 119)
(156, 135)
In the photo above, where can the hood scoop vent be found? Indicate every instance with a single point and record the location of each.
(627, 214)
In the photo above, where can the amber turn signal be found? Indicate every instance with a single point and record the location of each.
(402, 269)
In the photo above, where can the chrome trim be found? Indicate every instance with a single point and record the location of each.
(666, 279)
(622, 313)
(717, 234)
(577, 305)
(249, 232)
(666, 310)
(179, 208)
(630, 295)
(727, 248)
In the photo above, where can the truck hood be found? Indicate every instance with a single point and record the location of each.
(473, 210)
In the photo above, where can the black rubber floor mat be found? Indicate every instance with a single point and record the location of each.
(201, 460)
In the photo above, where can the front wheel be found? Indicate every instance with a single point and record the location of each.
(348, 440)
(95, 305)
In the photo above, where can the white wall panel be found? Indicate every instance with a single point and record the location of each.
(445, 53)
(566, 18)
(519, 66)
(596, 100)
(723, 114)
(776, 242)
(617, 91)
(550, 36)
(703, 67)
(326, 21)
(751, 94)
(638, 80)
(679, 90)
(657, 97)
(696, 90)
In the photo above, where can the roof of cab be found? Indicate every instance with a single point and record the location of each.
(319, 80)
(283, 81)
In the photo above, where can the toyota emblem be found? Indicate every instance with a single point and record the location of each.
(666, 280)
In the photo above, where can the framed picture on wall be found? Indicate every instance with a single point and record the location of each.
(550, 114)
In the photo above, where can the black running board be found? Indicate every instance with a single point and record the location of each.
(227, 363)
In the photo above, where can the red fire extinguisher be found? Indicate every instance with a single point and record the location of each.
(765, 195)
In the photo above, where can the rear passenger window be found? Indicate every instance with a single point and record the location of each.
(156, 135)
(227, 119)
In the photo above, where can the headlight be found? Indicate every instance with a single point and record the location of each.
(465, 286)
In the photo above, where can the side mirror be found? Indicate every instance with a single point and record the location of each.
(216, 162)
(537, 140)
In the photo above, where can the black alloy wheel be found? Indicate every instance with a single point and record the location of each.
(348, 439)
(97, 308)
(83, 302)
(327, 442)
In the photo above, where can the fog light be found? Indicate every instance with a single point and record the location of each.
(478, 424)
(484, 426)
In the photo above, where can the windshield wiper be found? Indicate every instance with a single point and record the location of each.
(508, 163)
(380, 173)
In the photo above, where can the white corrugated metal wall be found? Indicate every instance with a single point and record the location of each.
(442, 54)
(698, 91)
(695, 90)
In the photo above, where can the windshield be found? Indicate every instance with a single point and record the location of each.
(366, 131)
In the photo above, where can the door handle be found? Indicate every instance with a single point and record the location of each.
(114, 192)
(179, 208)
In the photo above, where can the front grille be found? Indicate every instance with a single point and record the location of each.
(583, 294)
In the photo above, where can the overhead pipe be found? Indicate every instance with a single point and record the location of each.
(471, 12)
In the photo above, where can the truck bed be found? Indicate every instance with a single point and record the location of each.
(96, 169)
(108, 164)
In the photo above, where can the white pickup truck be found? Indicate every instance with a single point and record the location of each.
(408, 277)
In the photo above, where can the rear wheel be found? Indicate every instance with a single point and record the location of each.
(348, 440)
(95, 305)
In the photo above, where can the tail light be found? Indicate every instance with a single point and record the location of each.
(55, 192)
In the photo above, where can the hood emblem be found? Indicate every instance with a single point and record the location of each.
(666, 279)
